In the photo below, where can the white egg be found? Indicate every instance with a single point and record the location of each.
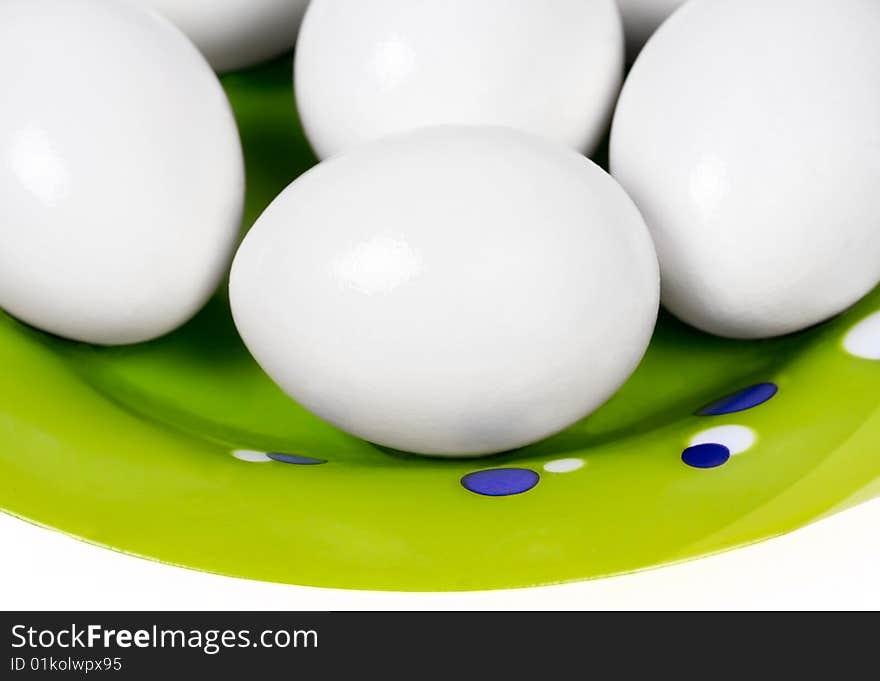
(121, 174)
(642, 17)
(748, 134)
(368, 69)
(234, 34)
(449, 291)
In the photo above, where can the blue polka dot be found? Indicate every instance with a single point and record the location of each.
(740, 401)
(709, 455)
(500, 482)
(296, 459)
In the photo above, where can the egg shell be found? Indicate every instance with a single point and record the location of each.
(748, 133)
(449, 291)
(121, 173)
(369, 69)
(234, 34)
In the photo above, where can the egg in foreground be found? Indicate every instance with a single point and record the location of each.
(451, 291)
(121, 173)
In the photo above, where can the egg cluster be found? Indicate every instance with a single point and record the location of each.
(455, 277)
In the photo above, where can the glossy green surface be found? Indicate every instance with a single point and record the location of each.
(131, 448)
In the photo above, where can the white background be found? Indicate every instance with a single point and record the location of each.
(833, 564)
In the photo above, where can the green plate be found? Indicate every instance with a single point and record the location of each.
(159, 450)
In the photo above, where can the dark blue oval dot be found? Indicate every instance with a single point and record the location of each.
(707, 455)
(500, 482)
(295, 459)
(741, 400)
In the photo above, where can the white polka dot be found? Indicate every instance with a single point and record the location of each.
(563, 465)
(736, 438)
(863, 340)
(251, 455)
